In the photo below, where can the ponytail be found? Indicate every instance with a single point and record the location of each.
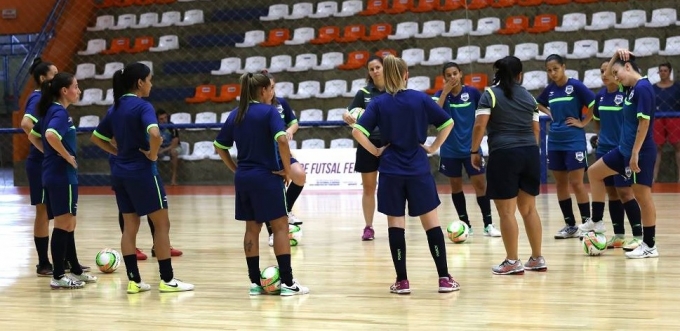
(126, 80)
(507, 70)
(265, 72)
(250, 87)
(39, 69)
(51, 91)
(394, 70)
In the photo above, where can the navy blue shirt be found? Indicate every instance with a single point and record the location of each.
(564, 102)
(461, 108)
(639, 103)
(129, 124)
(362, 99)
(286, 113)
(255, 137)
(31, 111)
(403, 120)
(56, 170)
(608, 111)
(668, 99)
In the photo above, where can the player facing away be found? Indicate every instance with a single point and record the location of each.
(263, 163)
(403, 117)
(367, 163)
(138, 252)
(460, 102)
(297, 175)
(608, 120)
(563, 99)
(139, 190)
(635, 155)
(510, 115)
(55, 135)
(41, 71)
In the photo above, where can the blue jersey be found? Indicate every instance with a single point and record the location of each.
(403, 120)
(608, 111)
(362, 99)
(668, 99)
(129, 124)
(31, 111)
(255, 138)
(461, 108)
(564, 102)
(286, 113)
(639, 103)
(56, 170)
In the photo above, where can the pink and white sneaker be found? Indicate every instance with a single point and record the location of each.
(448, 284)
(400, 287)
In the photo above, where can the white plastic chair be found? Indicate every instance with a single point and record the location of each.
(310, 115)
(631, 19)
(418, 83)
(325, 9)
(584, 49)
(560, 48)
(280, 63)
(602, 21)
(88, 121)
(253, 64)
(404, 30)
(342, 143)
(333, 89)
(611, 45)
(108, 99)
(672, 46)
(206, 117)
(301, 36)
(191, 17)
(355, 86)
(467, 54)
(492, 53)
(534, 80)
(85, 71)
(202, 150)
(307, 89)
(458, 27)
(180, 118)
(413, 56)
(94, 46)
(329, 61)
(300, 10)
(592, 78)
(662, 17)
(432, 29)
(227, 66)
(276, 12)
(168, 19)
(646, 46)
(313, 143)
(166, 43)
(283, 89)
(349, 8)
(251, 38)
(184, 150)
(526, 51)
(90, 96)
(486, 26)
(438, 56)
(572, 22)
(103, 22)
(571, 74)
(303, 62)
(109, 69)
(146, 20)
(124, 21)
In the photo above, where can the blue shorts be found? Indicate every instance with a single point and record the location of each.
(615, 180)
(419, 191)
(61, 199)
(140, 195)
(293, 160)
(453, 167)
(621, 164)
(260, 196)
(567, 160)
(35, 187)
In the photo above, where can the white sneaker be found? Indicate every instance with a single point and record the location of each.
(175, 285)
(491, 231)
(589, 225)
(632, 244)
(292, 220)
(66, 283)
(85, 278)
(295, 289)
(642, 252)
(134, 287)
(271, 240)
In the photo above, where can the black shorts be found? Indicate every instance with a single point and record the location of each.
(511, 170)
(367, 162)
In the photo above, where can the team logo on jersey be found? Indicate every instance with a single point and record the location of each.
(629, 172)
(367, 100)
(279, 108)
(618, 99)
(465, 97)
(630, 95)
(70, 120)
(569, 89)
(579, 156)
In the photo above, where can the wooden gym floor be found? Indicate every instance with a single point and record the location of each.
(349, 279)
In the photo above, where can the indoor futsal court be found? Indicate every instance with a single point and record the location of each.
(348, 278)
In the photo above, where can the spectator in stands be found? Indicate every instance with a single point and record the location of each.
(667, 129)
(170, 146)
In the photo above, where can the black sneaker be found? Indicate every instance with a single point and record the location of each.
(67, 267)
(43, 270)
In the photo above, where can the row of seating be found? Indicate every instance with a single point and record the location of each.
(147, 20)
(542, 23)
(89, 70)
(355, 7)
(124, 45)
(130, 3)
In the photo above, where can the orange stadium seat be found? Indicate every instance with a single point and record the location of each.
(379, 31)
(142, 44)
(426, 6)
(478, 4)
(355, 60)
(105, 4)
(125, 3)
(476, 80)
(503, 3)
(228, 92)
(118, 45)
(543, 23)
(529, 3)
(586, 1)
(352, 33)
(514, 25)
(450, 5)
(557, 2)
(326, 35)
(164, 2)
(144, 2)
(203, 93)
(438, 85)
(374, 7)
(276, 37)
(400, 6)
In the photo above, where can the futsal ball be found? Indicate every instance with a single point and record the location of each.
(270, 279)
(594, 243)
(458, 231)
(294, 234)
(356, 112)
(108, 260)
